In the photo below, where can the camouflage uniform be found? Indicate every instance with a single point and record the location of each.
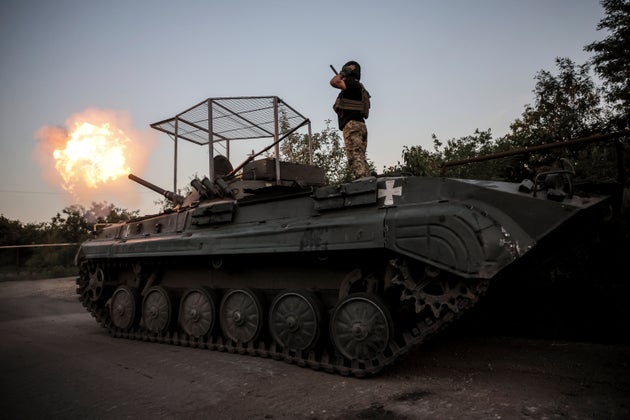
(352, 107)
(355, 139)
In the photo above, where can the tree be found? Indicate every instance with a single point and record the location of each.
(611, 58)
(74, 227)
(109, 213)
(480, 143)
(9, 231)
(12, 232)
(79, 221)
(415, 161)
(328, 153)
(420, 162)
(566, 106)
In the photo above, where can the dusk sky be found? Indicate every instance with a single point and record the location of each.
(445, 67)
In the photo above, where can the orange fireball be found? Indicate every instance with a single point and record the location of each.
(93, 155)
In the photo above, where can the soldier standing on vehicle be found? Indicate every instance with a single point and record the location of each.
(352, 107)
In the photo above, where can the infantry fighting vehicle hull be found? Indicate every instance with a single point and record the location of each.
(343, 278)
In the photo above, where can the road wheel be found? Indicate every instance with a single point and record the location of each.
(241, 315)
(295, 320)
(361, 326)
(197, 312)
(157, 310)
(124, 307)
(96, 283)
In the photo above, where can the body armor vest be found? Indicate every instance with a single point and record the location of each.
(355, 105)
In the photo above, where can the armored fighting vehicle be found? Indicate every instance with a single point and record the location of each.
(267, 260)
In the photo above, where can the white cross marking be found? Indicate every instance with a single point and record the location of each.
(389, 192)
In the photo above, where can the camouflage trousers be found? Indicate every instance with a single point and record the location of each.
(355, 139)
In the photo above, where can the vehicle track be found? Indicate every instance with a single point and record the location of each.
(445, 309)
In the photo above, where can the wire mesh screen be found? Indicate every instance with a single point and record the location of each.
(235, 118)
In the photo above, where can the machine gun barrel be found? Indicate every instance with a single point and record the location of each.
(175, 198)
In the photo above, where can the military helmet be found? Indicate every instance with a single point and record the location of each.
(356, 73)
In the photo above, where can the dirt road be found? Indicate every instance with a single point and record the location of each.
(55, 362)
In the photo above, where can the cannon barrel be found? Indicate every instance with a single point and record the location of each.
(175, 198)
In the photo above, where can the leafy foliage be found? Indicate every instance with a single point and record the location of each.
(567, 105)
(328, 153)
(416, 161)
(420, 162)
(72, 226)
(612, 58)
